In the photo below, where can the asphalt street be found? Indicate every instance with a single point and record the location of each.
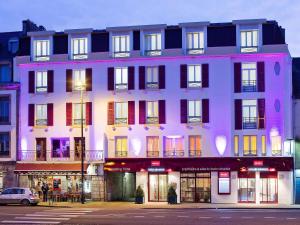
(44, 215)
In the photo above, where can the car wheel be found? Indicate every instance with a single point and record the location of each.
(25, 202)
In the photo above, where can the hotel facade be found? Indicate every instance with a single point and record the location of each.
(204, 107)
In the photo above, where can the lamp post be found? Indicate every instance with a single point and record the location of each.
(81, 142)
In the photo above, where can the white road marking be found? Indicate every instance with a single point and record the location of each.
(182, 216)
(40, 215)
(204, 217)
(38, 218)
(269, 217)
(247, 217)
(29, 222)
(291, 218)
(60, 213)
(139, 216)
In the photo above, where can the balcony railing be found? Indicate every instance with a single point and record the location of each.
(121, 54)
(120, 87)
(120, 120)
(194, 84)
(152, 120)
(78, 121)
(41, 122)
(277, 152)
(195, 51)
(80, 56)
(249, 122)
(33, 155)
(174, 153)
(247, 49)
(41, 58)
(153, 52)
(152, 153)
(41, 89)
(194, 153)
(152, 85)
(249, 85)
(121, 153)
(194, 119)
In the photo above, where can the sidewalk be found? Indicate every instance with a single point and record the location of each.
(160, 205)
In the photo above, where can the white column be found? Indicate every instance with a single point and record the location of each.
(257, 187)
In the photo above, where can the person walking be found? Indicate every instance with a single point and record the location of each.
(45, 190)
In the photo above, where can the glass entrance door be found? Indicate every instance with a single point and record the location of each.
(246, 191)
(268, 190)
(203, 189)
(158, 187)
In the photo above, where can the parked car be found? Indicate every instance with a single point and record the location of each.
(16, 195)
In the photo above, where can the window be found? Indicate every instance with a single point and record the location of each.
(152, 77)
(41, 149)
(41, 50)
(194, 111)
(78, 147)
(250, 145)
(263, 145)
(174, 146)
(77, 114)
(121, 78)
(78, 80)
(13, 45)
(249, 81)
(249, 114)
(4, 109)
(195, 145)
(195, 42)
(246, 189)
(121, 146)
(194, 76)
(224, 182)
(236, 145)
(41, 81)
(152, 146)
(249, 41)
(60, 147)
(41, 115)
(4, 144)
(153, 44)
(152, 112)
(5, 74)
(121, 112)
(79, 48)
(276, 145)
(121, 46)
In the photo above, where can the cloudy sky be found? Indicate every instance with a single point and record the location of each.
(98, 14)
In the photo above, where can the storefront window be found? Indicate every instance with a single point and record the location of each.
(246, 191)
(224, 182)
(158, 185)
(60, 147)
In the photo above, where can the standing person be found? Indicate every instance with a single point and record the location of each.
(45, 190)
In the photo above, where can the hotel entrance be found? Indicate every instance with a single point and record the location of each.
(195, 187)
(268, 187)
(158, 187)
(246, 188)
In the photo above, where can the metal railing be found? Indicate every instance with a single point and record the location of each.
(194, 119)
(249, 122)
(121, 54)
(41, 122)
(195, 51)
(154, 52)
(152, 153)
(120, 120)
(122, 86)
(152, 85)
(78, 121)
(80, 56)
(152, 120)
(194, 153)
(121, 153)
(41, 89)
(174, 153)
(246, 49)
(194, 84)
(249, 86)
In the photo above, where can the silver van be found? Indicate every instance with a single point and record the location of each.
(16, 195)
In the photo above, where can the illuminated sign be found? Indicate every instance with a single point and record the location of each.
(258, 163)
(155, 163)
(156, 169)
(224, 174)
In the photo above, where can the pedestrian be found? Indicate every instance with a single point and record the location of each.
(45, 189)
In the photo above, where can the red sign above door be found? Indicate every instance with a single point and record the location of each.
(155, 163)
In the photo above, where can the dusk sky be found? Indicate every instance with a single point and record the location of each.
(98, 14)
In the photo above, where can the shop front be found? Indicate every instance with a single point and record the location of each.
(63, 180)
(206, 180)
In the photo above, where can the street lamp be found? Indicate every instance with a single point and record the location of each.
(82, 88)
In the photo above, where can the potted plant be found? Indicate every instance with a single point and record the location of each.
(139, 195)
(172, 196)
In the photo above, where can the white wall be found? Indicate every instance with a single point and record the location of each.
(285, 187)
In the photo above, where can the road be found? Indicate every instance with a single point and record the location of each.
(44, 215)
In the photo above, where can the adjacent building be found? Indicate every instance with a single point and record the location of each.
(204, 107)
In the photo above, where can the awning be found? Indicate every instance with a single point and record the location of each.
(51, 167)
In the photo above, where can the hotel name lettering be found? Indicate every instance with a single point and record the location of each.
(193, 169)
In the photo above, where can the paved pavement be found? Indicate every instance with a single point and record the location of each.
(46, 215)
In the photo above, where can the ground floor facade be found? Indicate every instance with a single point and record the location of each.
(251, 180)
(7, 176)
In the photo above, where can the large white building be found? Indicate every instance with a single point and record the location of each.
(204, 107)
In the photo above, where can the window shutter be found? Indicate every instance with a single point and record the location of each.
(183, 111)
(142, 112)
(31, 81)
(205, 75)
(50, 81)
(89, 79)
(261, 76)
(68, 80)
(131, 112)
(183, 76)
(31, 115)
(162, 111)
(50, 114)
(131, 78)
(261, 113)
(110, 78)
(162, 77)
(238, 114)
(88, 111)
(69, 114)
(111, 113)
(142, 78)
(237, 77)
(205, 110)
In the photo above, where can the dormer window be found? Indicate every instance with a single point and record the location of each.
(153, 44)
(121, 46)
(195, 42)
(41, 50)
(249, 41)
(79, 48)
